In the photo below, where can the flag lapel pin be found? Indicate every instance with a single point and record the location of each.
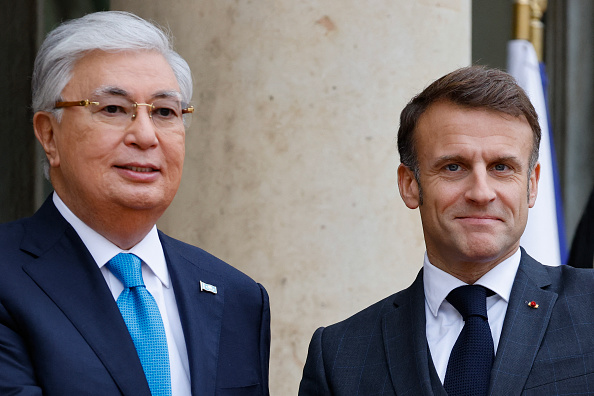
(208, 288)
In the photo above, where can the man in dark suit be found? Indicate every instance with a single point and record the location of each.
(482, 316)
(94, 300)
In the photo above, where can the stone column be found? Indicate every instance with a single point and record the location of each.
(290, 170)
(17, 142)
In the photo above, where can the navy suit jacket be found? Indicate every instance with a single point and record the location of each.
(383, 350)
(61, 332)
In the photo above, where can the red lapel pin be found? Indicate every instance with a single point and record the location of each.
(532, 304)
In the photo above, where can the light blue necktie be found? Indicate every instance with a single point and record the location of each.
(143, 319)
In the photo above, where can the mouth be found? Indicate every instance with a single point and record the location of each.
(479, 219)
(135, 168)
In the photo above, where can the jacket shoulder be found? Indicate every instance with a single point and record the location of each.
(562, 279)
(206, 261)
(569, 280)
(11, 232)
(11, 238)
(368, 320)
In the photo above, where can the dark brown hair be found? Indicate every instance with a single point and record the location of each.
(474, 87)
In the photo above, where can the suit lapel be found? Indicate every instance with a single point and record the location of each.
(523, 329)
(64, 269)
(201, 314)
(405, 339)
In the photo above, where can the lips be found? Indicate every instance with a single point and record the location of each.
(479, 221)
(480, 217)
(138, 168)
(139, 172)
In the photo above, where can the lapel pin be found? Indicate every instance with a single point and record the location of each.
(208, 288)
(532, 304)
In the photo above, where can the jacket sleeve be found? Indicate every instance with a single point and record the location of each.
(265, 341)
(16, 370)
(314, 382)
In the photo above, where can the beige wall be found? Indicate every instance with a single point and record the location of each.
(290, 170)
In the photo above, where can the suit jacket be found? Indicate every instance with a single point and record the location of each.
(383, 349)
(61, 332)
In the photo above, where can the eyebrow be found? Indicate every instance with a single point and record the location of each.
(513, 159)
(458, 158)
(447, 158)
(117, 91)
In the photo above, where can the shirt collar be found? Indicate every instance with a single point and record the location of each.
(149, 249)
(438, 283)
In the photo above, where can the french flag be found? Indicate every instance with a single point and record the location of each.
(544, 237)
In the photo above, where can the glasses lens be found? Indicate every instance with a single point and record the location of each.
(167, 114)
(116, 110)
(112, 110)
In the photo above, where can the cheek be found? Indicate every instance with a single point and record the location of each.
(96, 153)
(447, 197)
(175, 152)
(82, 140)
(516, 198)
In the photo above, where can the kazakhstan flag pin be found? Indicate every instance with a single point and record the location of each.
(208, 288)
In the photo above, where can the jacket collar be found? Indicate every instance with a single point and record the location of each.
(524, 327)
(201, 313)
(411, 368)
(63, 268)
(409, 359)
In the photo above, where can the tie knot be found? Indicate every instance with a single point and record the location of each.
(127, 268)
(469, 300)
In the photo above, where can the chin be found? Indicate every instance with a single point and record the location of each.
(484, 254)
(143, 202)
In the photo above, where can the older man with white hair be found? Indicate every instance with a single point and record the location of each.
(94, 300)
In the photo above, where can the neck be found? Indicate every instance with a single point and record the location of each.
(467, 271)
(123, 227)
(128, 233)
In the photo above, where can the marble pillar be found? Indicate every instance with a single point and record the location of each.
(291, 157)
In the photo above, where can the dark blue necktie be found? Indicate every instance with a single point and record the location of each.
(471, 359)
(143, 319)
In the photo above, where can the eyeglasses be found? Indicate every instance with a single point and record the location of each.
(166, 113)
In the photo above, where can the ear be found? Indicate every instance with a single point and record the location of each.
(533, 185)
(45, 125)
(408, 187)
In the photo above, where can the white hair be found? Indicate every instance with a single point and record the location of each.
(110, 31)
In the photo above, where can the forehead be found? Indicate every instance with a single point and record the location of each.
(449, 129)
(142, 74)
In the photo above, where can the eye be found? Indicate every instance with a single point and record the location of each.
(501, 167)
(164, 112)
(110, 106)
(452, 167)
(169, 110)
(113, 109)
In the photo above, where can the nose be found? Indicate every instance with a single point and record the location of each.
(480, 189)
(141, 131)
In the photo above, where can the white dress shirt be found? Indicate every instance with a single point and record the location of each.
(157, 281)
(444, 323)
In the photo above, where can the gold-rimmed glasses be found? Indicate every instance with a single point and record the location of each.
(166, 113)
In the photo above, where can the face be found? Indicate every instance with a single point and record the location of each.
(474, 176)
(98, 168)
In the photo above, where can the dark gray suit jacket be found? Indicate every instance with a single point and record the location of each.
(383, 350)
(61, 332)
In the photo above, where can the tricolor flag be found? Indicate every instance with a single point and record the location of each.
(544, 237)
